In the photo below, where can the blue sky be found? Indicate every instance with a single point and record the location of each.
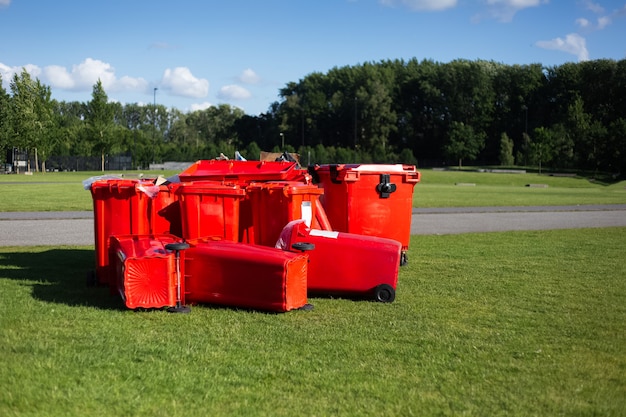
(241, 52)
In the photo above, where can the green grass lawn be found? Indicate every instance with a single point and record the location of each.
(63, 191)
(493, 324)
(53, 191)
(477, 189)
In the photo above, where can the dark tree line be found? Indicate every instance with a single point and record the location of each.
(571, 116)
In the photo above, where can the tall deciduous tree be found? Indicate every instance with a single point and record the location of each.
(542, 146)
(4, 120)
(506, 150)
(100, 121)
(464, 142)
(31, 116)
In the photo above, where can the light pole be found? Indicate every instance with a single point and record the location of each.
(154, 126)
(355, 117)
(282, 141)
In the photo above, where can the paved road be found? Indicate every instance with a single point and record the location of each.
(76, 228)
(495, 219)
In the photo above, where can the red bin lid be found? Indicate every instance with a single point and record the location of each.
(241, 170)
(212, 188)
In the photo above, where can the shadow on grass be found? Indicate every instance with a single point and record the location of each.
(59, 276)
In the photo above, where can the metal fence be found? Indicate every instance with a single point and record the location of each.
(19, 161)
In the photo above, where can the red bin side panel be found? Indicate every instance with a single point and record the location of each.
(274, 204)
(164, 211)
(144, 272)
(210, 210)
(346, 263)
(246, 276)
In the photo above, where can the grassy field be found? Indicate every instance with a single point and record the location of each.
(52, 191)
(490, 324)
(65, 192)
(494, 324)
(476, 189)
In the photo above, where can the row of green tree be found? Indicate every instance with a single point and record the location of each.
(571, 116)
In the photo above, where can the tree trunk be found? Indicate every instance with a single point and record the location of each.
(102, 161)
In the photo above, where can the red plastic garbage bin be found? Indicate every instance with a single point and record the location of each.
(276, 203)
(345, 263)
(246, 276)
(120, 207)
(164, 211)
(144, 271)
(243, 172)
(210, 209)
(373, 200)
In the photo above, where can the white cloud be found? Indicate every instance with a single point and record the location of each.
(87, 73)
(583, 23)
(233, 92)
(5, 2)
(127, 83)
(83, 77)
(603, 22)
(594, 7)
(200, 106)
(505, 10)
(421, 5)
(8, 72)
(248, 76)
(61, 78)
(573, 44)
(181, 82)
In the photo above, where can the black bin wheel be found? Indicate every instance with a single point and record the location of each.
(384, 293)
(303, 246)
(177, 246)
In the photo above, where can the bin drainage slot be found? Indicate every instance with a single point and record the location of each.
(385, 187)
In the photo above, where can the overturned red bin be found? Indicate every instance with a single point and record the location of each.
(245, 276)
(143, 270)
(345, 263)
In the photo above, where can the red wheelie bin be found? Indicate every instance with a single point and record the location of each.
(210, 209)
(131, 206)
(373, 200)
(164, 211)
(143, 270)
(273, 204)
(120, 208)
(245, 276)
(345, 263)
(243, 172)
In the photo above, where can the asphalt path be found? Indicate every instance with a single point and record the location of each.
(77, 228)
